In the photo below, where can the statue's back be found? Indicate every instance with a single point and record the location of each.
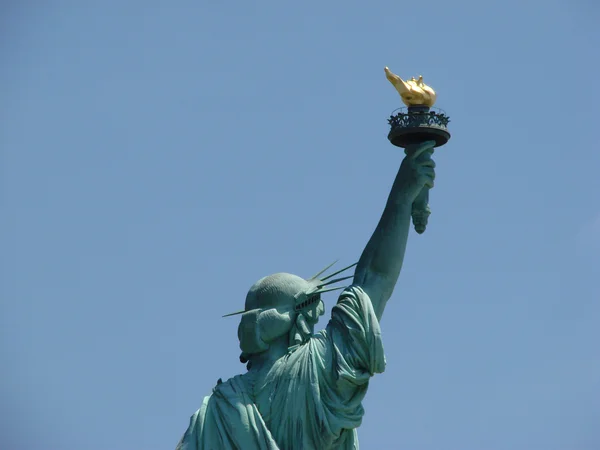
(309, 399)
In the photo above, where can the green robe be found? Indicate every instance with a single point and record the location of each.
(310, 399)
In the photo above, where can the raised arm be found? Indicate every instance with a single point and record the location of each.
(380, 263)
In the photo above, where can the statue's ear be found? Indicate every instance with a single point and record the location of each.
(274, 324)
(249, 334)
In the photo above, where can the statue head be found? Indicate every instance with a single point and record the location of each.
(282, 307)
(273, 310)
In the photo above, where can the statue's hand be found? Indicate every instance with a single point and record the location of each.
(417, 171)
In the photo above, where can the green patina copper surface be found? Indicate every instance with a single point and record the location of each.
(304, 390)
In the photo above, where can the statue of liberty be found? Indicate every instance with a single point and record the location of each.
(304, 390)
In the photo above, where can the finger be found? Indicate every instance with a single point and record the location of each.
(428, 145)
(424, 160)
(427, 163)
(428, 181)
(428, 172)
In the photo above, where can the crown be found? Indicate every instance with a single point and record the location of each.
(316, 286)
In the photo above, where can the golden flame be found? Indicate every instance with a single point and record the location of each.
(413, 92)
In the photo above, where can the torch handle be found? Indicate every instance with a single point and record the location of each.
(420, 208)
(421, 211)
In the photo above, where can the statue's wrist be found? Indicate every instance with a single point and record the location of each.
(403, 198)
(403, 204)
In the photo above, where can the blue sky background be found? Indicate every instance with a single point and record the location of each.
(157, 160)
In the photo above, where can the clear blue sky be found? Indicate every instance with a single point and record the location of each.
(157, 160)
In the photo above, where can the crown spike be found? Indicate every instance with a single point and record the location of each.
(322, 271)
(322, 291)
(235, 313)
(335, 280)
(339, 271)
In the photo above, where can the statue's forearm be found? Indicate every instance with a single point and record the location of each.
(380, 263)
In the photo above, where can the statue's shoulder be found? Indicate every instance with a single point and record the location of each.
(236, 386)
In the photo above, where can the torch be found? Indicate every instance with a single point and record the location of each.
(414, 124)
